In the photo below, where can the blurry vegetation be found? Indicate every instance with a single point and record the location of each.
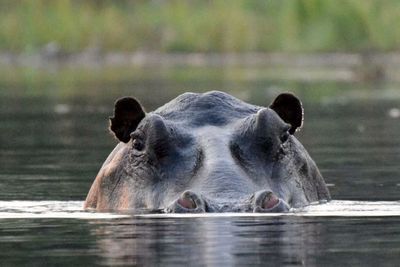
(200, 26)
(111, 83)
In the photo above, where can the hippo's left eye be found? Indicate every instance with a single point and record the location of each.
(137, 142)
(284, 137)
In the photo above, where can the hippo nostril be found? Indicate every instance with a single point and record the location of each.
(266, 201)
(270, 201)
(186, 202)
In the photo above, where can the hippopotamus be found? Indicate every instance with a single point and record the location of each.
(207, 152)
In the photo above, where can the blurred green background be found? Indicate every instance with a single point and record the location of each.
(200, 26)
(58, 47)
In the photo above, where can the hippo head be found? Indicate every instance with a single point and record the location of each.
(207, 153)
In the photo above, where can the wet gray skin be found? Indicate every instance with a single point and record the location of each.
(207, 153)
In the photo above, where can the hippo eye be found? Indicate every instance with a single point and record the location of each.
(137, 142)
(284, 137)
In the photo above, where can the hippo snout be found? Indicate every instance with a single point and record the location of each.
(263, 201)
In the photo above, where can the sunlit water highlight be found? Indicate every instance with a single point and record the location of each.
(49, 209)
(74, 210)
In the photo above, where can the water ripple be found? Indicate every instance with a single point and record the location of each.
(73, 209)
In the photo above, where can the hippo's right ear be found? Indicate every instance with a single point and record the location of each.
(127, 115)
(290, 109)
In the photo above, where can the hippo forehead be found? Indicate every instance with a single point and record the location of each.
(212, 108)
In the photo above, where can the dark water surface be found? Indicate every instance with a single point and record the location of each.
(53, 139)
(201, 241)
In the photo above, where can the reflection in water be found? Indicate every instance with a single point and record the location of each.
(249, 241)
(60, 232)
(301, 238)
(211, 242)
(202, 241)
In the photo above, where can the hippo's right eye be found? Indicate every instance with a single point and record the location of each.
(284, 137)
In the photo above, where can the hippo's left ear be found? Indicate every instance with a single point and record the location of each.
(290, 109)
(127, 115)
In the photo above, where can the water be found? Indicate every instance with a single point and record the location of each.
(73, 210)
(37, 233)
(60, 233)
(53, 139)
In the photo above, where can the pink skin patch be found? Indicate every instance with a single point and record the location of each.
(270, 201)
(186, 203)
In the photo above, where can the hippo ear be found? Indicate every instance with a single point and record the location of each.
(290, 109)
(127, 115)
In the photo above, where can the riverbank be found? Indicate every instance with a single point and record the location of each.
(315, 66)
